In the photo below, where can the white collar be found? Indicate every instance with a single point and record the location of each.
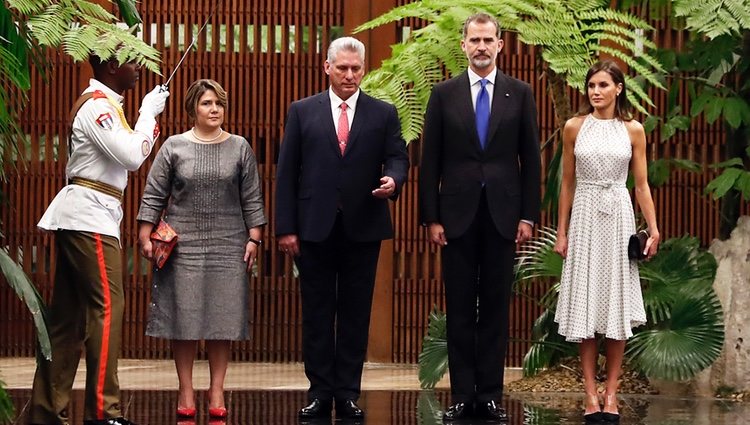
(98, 85)
(474, 77)
(336, 101)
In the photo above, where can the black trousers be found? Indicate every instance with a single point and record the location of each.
(337, 278)
(478, 275)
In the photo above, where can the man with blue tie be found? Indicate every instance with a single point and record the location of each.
(479, 190)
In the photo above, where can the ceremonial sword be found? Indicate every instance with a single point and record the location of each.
(190, 47)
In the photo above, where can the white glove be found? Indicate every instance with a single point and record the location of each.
(153, 103)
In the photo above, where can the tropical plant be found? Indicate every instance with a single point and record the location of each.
(713, 69)
(684, 333)
(429, 410)
(6, 405)
(433, 360)
(685, 330)
(570, 36)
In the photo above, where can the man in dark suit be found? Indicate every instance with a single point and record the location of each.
(341, 159)
(479, 188)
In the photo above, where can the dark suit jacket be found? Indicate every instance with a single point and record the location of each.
(454, 166)
(313, 179)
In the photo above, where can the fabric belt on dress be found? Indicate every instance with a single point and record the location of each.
(104, 188)
(605, 204)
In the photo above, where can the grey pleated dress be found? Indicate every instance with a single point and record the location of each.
(212, 196)
(600, 290)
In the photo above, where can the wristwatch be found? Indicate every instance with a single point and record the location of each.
(255, 241)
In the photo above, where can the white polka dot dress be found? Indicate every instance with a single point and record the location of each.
(600, 291)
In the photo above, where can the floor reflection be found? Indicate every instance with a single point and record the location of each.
(151, 407)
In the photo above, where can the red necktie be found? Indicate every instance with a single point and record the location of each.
(343, 132)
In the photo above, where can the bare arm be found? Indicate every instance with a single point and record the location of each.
(642, 191)
(567, 184)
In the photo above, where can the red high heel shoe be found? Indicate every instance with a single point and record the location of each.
(185, 412)
(217, 412)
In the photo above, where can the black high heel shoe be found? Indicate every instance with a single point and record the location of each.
(593, 417)
(610, 401)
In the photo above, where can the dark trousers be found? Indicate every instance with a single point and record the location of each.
(337, 277)
(86, 311)
(478, 275)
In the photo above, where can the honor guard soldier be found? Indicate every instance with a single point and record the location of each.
(87, 304)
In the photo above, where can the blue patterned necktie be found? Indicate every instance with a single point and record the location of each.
(483, 112)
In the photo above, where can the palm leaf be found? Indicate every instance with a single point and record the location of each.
(690, 341)
(536, 259)
(129, 12)
(538, 415)
(7, 411)
(429, 410)
(26, 291)
(15, 52)
(685, 331)
(433, 360)
(548, 347)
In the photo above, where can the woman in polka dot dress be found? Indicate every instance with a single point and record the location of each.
(600, 290)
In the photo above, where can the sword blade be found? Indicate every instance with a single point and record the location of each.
(190, 47)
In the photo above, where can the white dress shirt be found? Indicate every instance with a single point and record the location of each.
(351, 107)
(476, 85)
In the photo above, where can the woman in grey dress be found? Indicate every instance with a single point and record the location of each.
(205, 183)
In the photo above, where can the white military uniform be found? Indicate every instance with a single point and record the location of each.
(88, 299)
(104, 148)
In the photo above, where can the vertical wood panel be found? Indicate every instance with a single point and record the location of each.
(263, 74)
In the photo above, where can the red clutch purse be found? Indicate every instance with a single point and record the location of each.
(164, 239)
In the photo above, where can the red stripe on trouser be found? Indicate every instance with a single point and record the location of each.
(102, 372)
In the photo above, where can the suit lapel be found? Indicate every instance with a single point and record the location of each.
(466, 109)
(500, 98)
(325, 116)
(359, 120)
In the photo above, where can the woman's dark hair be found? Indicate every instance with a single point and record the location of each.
(623, 108)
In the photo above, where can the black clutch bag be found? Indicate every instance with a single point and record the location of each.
(637, 244)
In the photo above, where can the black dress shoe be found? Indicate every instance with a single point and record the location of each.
(317, 408)
(458, 411)
(348, 409)
(492, 410)
(110, 421)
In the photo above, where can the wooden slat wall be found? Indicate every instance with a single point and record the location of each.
(262, 79)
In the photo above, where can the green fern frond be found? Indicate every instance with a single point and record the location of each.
(28, 7)
(50, 26)
(93, 11)
(78, 41)
(83, 28)
(612, 15)
(569, 34)
(714, 17)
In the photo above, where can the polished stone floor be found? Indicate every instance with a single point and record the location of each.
(271, 394)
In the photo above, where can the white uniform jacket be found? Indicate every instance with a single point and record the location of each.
(103, 148)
